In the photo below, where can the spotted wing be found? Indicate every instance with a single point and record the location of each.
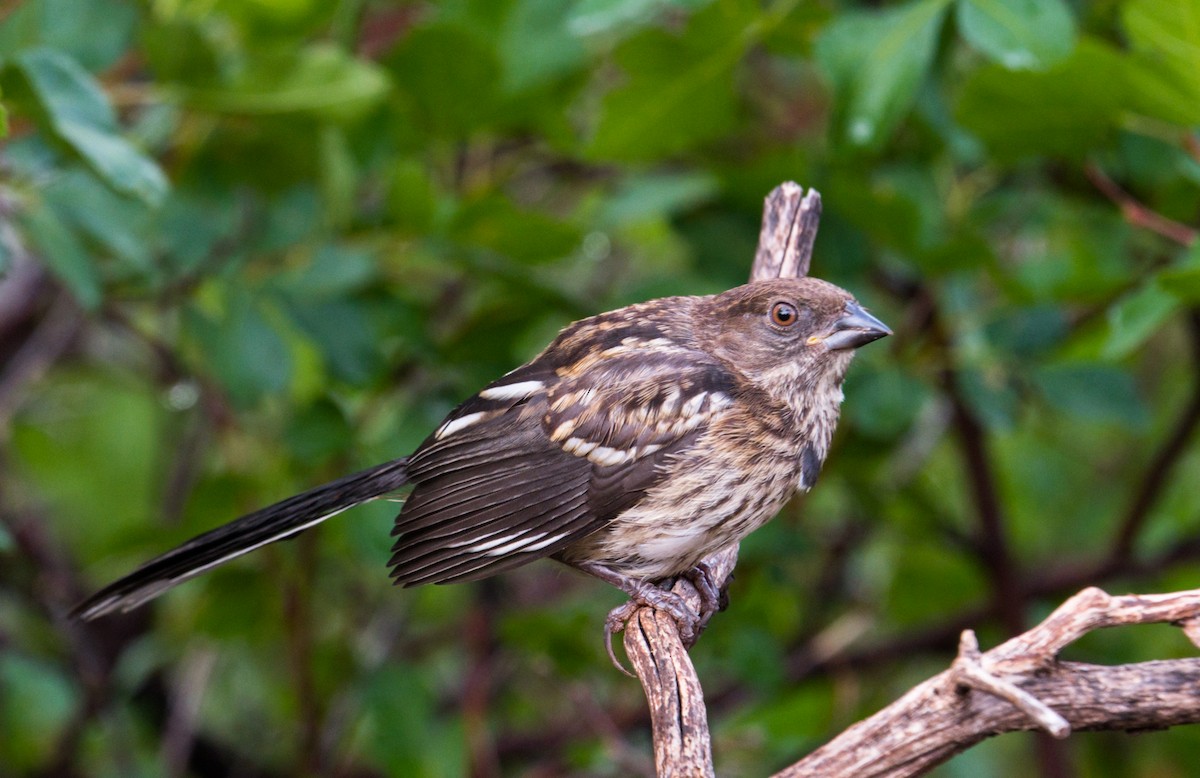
(543, 458)
(627, 420)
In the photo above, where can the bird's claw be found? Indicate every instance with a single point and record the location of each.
(712, 597)
(615, 623)
(688, 623)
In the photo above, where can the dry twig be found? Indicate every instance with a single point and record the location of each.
(1138, 214)
(937, 719)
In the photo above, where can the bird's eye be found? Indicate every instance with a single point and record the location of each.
(784, 314)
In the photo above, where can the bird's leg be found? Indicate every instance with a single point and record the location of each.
(645, 593)
(712, 597)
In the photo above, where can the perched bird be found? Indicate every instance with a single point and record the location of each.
(636, 444)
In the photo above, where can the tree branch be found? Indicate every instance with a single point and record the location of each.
(1136, 213)
(679, 721)
(954, 710)
(789, 230)
(682, 745)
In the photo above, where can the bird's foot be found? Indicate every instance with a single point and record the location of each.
(643, 594)
(646, 594)
(712, 597)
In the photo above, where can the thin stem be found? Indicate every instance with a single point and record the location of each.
(1136, 213)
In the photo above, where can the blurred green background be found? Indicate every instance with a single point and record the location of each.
(248, 245)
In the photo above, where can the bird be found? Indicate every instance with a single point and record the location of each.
(637, 443)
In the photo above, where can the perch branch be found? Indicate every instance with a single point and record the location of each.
(789, 229)
(678, 719)
(682, 745)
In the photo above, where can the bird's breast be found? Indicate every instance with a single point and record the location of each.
(716, 493)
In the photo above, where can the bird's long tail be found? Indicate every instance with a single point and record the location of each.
(275, 522)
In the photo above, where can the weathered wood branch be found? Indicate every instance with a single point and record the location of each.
(950, 712)
(679, 720)
(682, 745)
(789, 230)
(1019, 685)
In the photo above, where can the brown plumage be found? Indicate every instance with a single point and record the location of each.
(637, 443)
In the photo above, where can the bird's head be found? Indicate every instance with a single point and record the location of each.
(788, 333)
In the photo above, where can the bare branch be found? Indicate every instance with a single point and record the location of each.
(936, 719)
(1086, 612)
(682, 745)
(970, 672)
(789, 229)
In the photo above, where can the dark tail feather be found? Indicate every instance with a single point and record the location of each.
(275, 522)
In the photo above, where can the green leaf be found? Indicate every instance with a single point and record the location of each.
(1093, 393)
(1182, 279)
(654, 196)
(1064, 111)
(597, 17)
(1025, 332)
(22, 29)
(347, 343)
(1018, 34)
(1165, 38)
(335, 271)
(339, 178)
(190, 227)
(78, 114)
(243, 350)
(885, 402)
(117, 224)
(80, 435)
(898, 206)
(536, 45)
(65, 90)
(526, 236)
(35, 708)
(291, 218)
(412, 198)
(61, 250)
(92, 32)
(398, 729)
(318, 432)
(876, 61)
(320, 80)
(929, 574)
(1137, 316)
(449, 77)
(679, 88)
(184, 50)
(990, 394)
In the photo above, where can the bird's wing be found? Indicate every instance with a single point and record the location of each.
(545, 457)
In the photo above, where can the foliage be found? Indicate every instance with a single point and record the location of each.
(250, 245)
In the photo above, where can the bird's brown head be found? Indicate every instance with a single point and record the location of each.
(791, 332)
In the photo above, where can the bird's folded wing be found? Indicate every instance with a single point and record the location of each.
(532, 464)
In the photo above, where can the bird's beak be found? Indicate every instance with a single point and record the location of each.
(855, 328)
